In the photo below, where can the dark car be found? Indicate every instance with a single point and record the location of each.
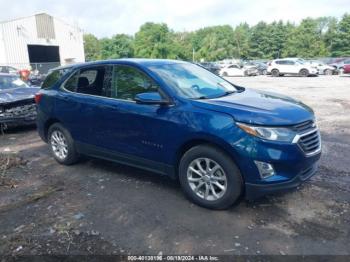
(178, 119)
(17, 105)
(212, 67)
(262, 67)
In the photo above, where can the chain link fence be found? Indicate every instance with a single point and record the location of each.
(35, 68)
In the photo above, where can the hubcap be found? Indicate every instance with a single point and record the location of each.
(59, 144)
(207, 179)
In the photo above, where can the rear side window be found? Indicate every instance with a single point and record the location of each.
(90, 81)
(53, 78)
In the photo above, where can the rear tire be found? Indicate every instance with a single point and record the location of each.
(328, 72)
(210, 178)
(304, 73)
(275, 73)
(62, 145)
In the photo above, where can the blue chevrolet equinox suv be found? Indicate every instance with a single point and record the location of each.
(222, 141)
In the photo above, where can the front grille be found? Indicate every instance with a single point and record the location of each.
(26, 110)
(304, 126)
(309, 137)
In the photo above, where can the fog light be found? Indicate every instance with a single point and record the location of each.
(265, 169)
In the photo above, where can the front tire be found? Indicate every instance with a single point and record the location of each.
(62, 145)
(328, 72)
(209, 177)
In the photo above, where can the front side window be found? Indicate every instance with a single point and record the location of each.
(129, 81)
(192, 81)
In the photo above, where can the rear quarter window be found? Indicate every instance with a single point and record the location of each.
(53, 78)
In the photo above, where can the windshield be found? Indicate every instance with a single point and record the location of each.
(192, 81)
(10, 82)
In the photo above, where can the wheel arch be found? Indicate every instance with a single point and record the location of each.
(221, 145)
(47, 125)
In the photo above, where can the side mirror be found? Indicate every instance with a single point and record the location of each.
(151, 98)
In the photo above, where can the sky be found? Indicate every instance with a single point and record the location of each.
(108, 17)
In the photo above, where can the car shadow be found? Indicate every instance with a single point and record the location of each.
(19, 129)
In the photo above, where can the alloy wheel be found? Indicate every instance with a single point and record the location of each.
(207, 179)
(59, 144)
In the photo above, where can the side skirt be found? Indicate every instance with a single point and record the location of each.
(130, 160)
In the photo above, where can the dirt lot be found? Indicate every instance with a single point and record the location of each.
(97, 207)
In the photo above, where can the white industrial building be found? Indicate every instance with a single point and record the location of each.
(40, 41)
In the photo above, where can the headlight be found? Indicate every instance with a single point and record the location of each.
(269, 133)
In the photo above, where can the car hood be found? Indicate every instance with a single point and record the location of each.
(260, 108)
(17, 94)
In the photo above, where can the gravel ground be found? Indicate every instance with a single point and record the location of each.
(98, 207)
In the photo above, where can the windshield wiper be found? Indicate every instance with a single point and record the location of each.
(201, 97)
(226, 93)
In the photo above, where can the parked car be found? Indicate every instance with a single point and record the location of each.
(175, 118)
(262, 67)
(212, 67)
(323, 68)
(36, 79)
(238, 70)
(9, 70)
(17, 105)
(346, 69)
(339, 65)
(281, 67)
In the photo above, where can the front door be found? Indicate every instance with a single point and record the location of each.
(133, 129)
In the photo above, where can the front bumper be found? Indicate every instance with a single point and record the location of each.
(254, 191)
(18, 114)
(291, 162)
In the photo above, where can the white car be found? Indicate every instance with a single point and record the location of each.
(237, 70)
(323, 68)
(280, 67)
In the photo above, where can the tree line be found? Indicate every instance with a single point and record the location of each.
(312, 38)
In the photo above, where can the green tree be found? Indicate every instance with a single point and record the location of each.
(118, 46)
(241, 35)
(213, 43)
(341, 41)
(259, 43)
(92, 47)
(305, 41)
(154, 41)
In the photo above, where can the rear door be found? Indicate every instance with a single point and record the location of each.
(78, 104)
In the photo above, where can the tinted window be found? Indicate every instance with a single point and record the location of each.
(53, 78)
(71, 83)
(281, 62)
(129, 81)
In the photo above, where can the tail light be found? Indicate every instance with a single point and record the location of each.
(38, 97)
